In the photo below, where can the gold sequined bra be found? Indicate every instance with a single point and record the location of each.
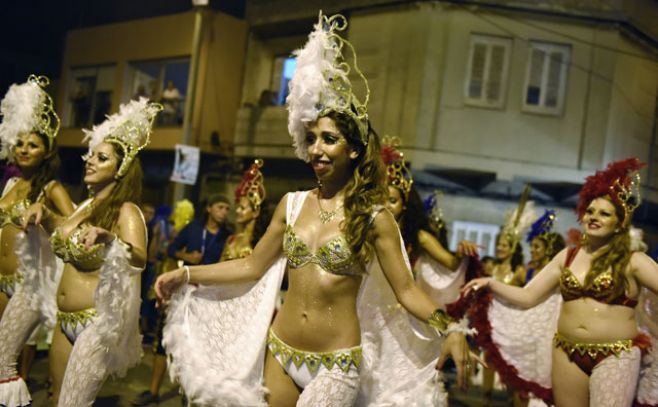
(71, 250)
(14, 214)
(600, 289)
(334, 257)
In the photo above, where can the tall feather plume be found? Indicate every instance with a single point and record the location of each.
(132, 124)
(19, 110)
(320, 83)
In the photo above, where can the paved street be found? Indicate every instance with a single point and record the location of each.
(119, 393)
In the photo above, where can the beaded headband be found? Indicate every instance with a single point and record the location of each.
(398, 173)
(27, 108)
(130, 129)
(433, 210)
(252, 185)
(620, 181)
(321, 85)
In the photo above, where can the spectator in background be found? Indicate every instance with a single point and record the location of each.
(200, 243)
(170, 101)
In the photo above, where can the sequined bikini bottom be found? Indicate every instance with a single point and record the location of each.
(303, 366)
(73, 323)
(587, 355)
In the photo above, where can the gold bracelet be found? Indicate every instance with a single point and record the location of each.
(440, 320)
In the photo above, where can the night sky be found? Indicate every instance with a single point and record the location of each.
(33, 31)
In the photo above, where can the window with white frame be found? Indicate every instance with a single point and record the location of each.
(488, 63)
(546, 77)
(482, 234)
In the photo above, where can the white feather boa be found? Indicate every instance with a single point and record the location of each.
(41, 272)
(117, 301)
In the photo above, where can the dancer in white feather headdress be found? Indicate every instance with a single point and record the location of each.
(97, 320)
(27, 108)
(321, 83)
(341, 337)
(27, 139)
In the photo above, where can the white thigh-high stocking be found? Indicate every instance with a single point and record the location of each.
(614, 380)
(331, 388)
(18, 322)
(86, 371)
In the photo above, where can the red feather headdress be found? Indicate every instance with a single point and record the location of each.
(620, 181)
(398, 173)
(252, 185)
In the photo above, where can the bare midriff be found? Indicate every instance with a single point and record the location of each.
(76, 289)
(589, 321)
(319, 310)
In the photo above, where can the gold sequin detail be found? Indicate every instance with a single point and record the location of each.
(334, 256)
(592, 349)
(76, 317)
(70, 250)
(343, 358)
(10, 279)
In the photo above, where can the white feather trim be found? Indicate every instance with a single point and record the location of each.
(117, 305)
(41, 272)
(132, 124)
(19, 110)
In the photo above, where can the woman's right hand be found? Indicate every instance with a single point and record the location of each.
(168, 283)
(34, 214)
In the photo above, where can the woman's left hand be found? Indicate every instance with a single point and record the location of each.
(95, 235)
(475, 284)
(466, 248)
(456, 347)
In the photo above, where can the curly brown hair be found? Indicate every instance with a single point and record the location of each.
(127, 189)
(615, 257)
(365, 190)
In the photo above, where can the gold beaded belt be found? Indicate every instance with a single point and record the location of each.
(592, 349)
(73, 318)
(343, 358)
(10, 279)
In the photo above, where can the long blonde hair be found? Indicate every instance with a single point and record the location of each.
(364, 191)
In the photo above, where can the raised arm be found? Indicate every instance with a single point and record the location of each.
(525, 297)
(645, 271)
(435, 250)
(249, 268)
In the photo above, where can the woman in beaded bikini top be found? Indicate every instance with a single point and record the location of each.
(103, 245)
(597, 346)
(251, 214)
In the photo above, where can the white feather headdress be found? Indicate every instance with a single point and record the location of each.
(320, 83)
(130, 129)
(24, 109)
